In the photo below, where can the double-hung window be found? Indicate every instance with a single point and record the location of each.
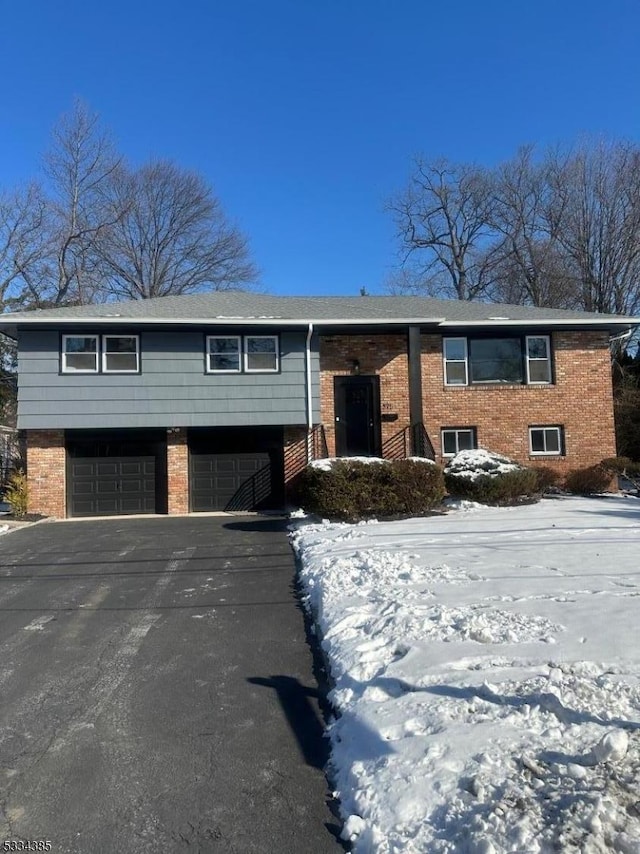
(538, 359)
(80, 354)
(504, 360)
(455, 361)
(109, 354)
(260, 353)
(234, 354)
(120, 354)
(223, 354)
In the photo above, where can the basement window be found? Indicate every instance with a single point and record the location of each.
(455, 439)
(546, 441)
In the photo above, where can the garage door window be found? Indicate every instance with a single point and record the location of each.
(261, 353)
(120, 354)
(223, 354)
(80, 354)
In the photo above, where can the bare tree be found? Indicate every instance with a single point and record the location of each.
(530, 267)
(597, 190)
(443, 219)
(79, 164)
(22, 218)
(168, 236)
(98, 229)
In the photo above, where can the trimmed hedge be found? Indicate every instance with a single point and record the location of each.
(510, 487)
(351, 490)
(549, 479)
(622, 465)
(589, 480)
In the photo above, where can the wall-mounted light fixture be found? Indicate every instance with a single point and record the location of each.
(355, 366)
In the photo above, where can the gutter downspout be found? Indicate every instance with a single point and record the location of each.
(307, 356)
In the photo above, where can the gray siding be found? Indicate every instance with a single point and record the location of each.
(172, 389)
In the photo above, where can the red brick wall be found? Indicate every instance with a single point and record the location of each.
(46, 472)
(382, 355)
(580, 399)
(177, 471)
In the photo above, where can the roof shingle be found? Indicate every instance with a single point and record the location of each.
(243, 305)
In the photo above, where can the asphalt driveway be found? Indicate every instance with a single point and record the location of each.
(156, 690)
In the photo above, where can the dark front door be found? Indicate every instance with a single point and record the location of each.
(357, 403)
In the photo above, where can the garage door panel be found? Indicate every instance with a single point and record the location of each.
(112, 486)
(134, 468)
(83, 488)
(134, 486)
(82, 469)
(106, 487)
(83, 508)
(200, 465)
(107, 469)
(231, 481)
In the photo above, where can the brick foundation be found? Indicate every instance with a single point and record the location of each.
(177, 471)
(46, 472)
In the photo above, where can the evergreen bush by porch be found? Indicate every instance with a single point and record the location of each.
(349, 490)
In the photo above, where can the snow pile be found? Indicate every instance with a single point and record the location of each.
(327, 463)
(474, 464)
(487, 677)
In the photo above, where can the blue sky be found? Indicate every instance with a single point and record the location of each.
(305, 116)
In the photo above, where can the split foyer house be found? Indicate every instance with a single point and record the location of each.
(216, 401)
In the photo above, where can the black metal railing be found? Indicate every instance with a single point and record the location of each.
(312, 447)
(421, 445)
(411, 441)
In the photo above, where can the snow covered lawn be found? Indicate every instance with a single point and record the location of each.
(487, 676)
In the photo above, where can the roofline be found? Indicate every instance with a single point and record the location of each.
(612, 323)
(534, 321)
(111, 320)
(117, 320)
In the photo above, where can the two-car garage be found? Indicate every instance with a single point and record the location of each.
(125, 472)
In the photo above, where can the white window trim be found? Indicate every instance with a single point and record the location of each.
(445, 361)
(249, 370)
(211, 370)
(105, 353)
(66, 369)
(455, 430)
(547, 360)
(544, 427)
